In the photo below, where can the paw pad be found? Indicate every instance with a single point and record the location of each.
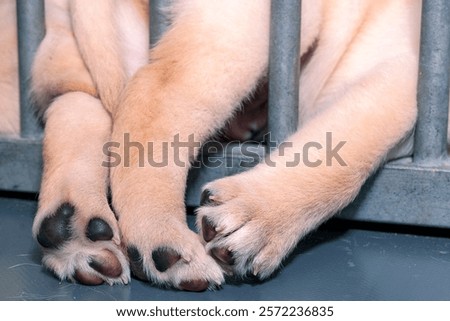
(164, 258)
(99, 230)
(106, 264)
(87, 278)
(194, 285)
(55, 229)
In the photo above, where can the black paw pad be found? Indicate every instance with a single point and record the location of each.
(194, 285)
(55, 229)
(87, 278)
(106, 264)
(99, 230)
(208, 229)
(164, 258)
(222, 255)
(136, 263)
(206, 199)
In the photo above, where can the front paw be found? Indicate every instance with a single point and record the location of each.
(80, 245)
(166, 253)
(247, 235)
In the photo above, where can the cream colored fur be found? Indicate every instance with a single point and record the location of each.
(9, 81)
(94, 84)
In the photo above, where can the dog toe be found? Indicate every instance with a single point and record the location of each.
(208, 229)
(164, 258)
(55, 229)
(194, 285)
(87, 278)
(99, 230)
(107, 264)
(222, 255)
(207, 198)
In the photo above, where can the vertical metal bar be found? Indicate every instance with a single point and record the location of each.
(158, 21)
(433, 88)
(284, 69)
(30, 32)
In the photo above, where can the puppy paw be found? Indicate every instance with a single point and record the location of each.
(246, 233)
(168, 254)
(81, 245)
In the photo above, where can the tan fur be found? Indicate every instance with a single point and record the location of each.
(95, 81)
(9, 93)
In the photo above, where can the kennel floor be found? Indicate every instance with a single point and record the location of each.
(333, 263)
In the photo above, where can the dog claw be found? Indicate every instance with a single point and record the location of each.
(136, 263)
(207, 199)
(223, 255)
(208, 230)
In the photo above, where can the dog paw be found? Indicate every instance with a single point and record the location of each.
(81, 245)
(247, 232)
(168, 254)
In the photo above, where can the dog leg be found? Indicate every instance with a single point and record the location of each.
(251, 221)
(210, 59)
(74, 224)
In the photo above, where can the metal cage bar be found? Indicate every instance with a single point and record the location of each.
(284, 69)
(31, 31)
(433, 88)
(158, 21)
(402, 192)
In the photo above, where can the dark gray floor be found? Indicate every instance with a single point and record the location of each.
(331, 264)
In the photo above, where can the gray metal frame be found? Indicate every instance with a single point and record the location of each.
(158, 21)
(433, 89)
(416, 190)
(30, 20)
(409, 191)
(20, 160)
(284, 69)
